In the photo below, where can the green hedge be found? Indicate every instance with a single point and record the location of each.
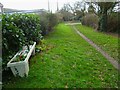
(47, 22)
(18, 30)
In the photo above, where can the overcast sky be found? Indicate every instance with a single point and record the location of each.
(34, 4)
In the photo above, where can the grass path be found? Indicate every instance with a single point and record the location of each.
(108, 57)
(67, 62)
(107, 42)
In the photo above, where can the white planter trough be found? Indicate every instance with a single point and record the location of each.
(21, 68)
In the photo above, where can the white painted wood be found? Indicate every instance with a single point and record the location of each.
(21, 68)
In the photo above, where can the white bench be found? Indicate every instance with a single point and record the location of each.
(21, 68)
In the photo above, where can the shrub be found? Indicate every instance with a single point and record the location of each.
(59, 17)
(90, 20)
(44, 22)
(48, 21)
(52, 18)
(113, 23)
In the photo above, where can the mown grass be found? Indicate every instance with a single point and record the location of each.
(107, 42)
(67, 62)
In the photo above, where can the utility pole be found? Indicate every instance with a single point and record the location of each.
(48, 6)
(57, 6)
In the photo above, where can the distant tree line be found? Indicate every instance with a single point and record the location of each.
(101, 15)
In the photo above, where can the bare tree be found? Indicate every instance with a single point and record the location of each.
(77, 8)
(65, 13)
(103, 13)
(103, 8)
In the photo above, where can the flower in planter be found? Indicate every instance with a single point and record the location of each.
(21, 56)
